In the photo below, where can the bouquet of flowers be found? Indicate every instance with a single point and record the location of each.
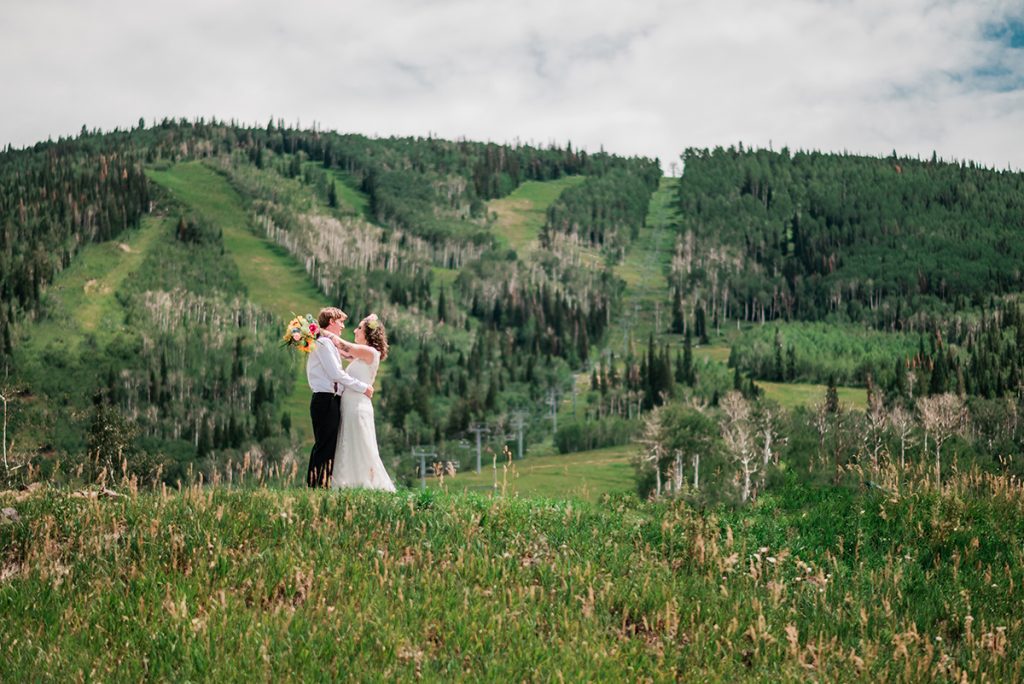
(301, 333)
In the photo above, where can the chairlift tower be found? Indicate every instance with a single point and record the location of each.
(422, 452)
(479, 429)
(519, 422)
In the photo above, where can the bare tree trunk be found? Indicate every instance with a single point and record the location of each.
(696, 470)
(3, 397)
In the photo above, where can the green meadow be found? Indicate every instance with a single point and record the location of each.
(82, 301)
(587, 475)
(243, 583)
(522, 214)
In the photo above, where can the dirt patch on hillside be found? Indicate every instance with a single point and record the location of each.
(94, 286)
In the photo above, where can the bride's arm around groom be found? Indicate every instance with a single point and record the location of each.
(329, 361)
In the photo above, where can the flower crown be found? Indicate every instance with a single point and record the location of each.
(372, 322)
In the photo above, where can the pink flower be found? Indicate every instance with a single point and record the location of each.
(313, 328)
(296, 336)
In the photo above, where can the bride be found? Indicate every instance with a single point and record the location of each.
(356, 459)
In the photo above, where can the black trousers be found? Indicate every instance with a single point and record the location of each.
(325, 411)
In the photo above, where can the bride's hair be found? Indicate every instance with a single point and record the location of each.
(376, 336)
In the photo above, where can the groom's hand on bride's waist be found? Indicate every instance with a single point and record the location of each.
(369, 393)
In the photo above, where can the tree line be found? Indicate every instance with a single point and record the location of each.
(812, 236)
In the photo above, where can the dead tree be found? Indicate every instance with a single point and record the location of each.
(901, 423)
(943, 416)
(738, 435)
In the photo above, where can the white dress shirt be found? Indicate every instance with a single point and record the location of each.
(324, 371)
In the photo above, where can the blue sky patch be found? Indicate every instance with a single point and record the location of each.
(1010, 32)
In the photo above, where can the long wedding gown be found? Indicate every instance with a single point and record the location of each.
(356, 459)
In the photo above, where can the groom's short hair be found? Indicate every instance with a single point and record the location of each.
(329, 314)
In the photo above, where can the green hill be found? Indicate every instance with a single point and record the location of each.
(516, 283)
(273, 280)
(771, 412)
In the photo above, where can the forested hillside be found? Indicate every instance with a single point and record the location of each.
(183, 372)
(547, 297)
(812, 236)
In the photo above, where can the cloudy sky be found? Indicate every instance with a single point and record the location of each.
(644, 77)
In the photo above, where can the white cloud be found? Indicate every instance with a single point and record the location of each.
(647, 77)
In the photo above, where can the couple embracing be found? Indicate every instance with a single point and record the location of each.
(345, 451)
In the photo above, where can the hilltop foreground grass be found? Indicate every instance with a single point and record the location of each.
(223, 584)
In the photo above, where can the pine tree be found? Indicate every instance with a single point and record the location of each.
(650, 382)
(678, 323)
(832, 395)
(699, 325)
(260, 395)
(236, 433)
(901, 378)
(779, 369)
(332, 195)
(687, 370)
(939, 380)
(442, 307)
(205, 444)
(8, 343)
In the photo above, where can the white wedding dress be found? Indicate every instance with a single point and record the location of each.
(356, 459)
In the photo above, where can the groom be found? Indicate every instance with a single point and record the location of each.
(328, 380)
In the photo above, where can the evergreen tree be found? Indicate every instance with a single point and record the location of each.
(939, 381)
(832, 396)
(699, 325)
(205, 443)
(442, 307)
(779, 369)
(900, 373)
(260, 395)
(791, 364)
(492, 394)
(651, 380)
(678, 322)
(687, 366)
(332, 194)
